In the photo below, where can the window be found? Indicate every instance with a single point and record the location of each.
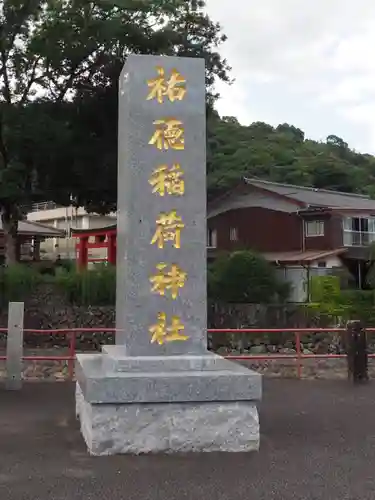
(358, 231)
(322, 263)
(314, 228)
(211, 238)
(233, 234)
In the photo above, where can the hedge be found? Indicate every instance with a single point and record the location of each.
(240, 277)
(89, 287)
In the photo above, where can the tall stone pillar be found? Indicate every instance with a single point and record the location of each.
(159, 389)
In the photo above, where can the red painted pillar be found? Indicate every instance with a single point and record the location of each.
(111, 249)
(82, 257)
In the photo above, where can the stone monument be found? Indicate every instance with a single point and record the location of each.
(159, 389)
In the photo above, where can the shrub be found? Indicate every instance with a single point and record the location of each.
(245, 276)
(328, 300)
(67, 264)
(17, 282)
(94, 287)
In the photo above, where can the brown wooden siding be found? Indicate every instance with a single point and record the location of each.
(332, 238)
(261, 229)
(21, 240)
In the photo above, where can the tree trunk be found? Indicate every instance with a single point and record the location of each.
(10, 229)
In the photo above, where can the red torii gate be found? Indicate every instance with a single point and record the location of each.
(104, 237)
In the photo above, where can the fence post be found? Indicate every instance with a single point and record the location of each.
(14, 350)
(72, 353)
(356, 350)
(299, 354)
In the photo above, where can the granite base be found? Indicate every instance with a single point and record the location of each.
(165, 380)
(166, 404)
(130, 428)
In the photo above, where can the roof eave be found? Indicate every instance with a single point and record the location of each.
(273, 193)
(308, 258)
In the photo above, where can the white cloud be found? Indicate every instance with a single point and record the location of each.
(305, 55)
(350, 90)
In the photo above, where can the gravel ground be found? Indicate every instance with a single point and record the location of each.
(334, 369)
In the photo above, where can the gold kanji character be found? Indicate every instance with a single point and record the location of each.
(168, 180)
(162, 333)
(168, 228)
(169, 133)
(173, 88)
(171, 279)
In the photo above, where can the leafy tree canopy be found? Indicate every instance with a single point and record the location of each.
(59, 65)
(283, 154)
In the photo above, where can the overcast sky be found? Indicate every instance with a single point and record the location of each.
(310, 63)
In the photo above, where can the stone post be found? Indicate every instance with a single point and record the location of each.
(14, 351)
(356, 350)
(159, 389)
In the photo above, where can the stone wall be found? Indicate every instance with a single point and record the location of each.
(48, 309)
(260, 316)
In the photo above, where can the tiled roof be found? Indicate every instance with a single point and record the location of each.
(77, 232)
(316, 197)
(34, 228)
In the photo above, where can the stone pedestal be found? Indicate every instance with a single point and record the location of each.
(182, 404)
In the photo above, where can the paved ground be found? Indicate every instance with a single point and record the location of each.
(318, 442)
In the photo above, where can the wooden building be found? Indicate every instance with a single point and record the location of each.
(300, 230)
(29, 237)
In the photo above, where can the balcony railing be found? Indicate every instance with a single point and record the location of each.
(358, 238)
(44, 205)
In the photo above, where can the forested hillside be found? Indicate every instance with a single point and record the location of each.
(282, 154)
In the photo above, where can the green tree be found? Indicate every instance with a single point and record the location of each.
(59, 65)
(245, 276)
(283, 154)
(334, 140)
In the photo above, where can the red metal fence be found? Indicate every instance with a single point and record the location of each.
(299, 356)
